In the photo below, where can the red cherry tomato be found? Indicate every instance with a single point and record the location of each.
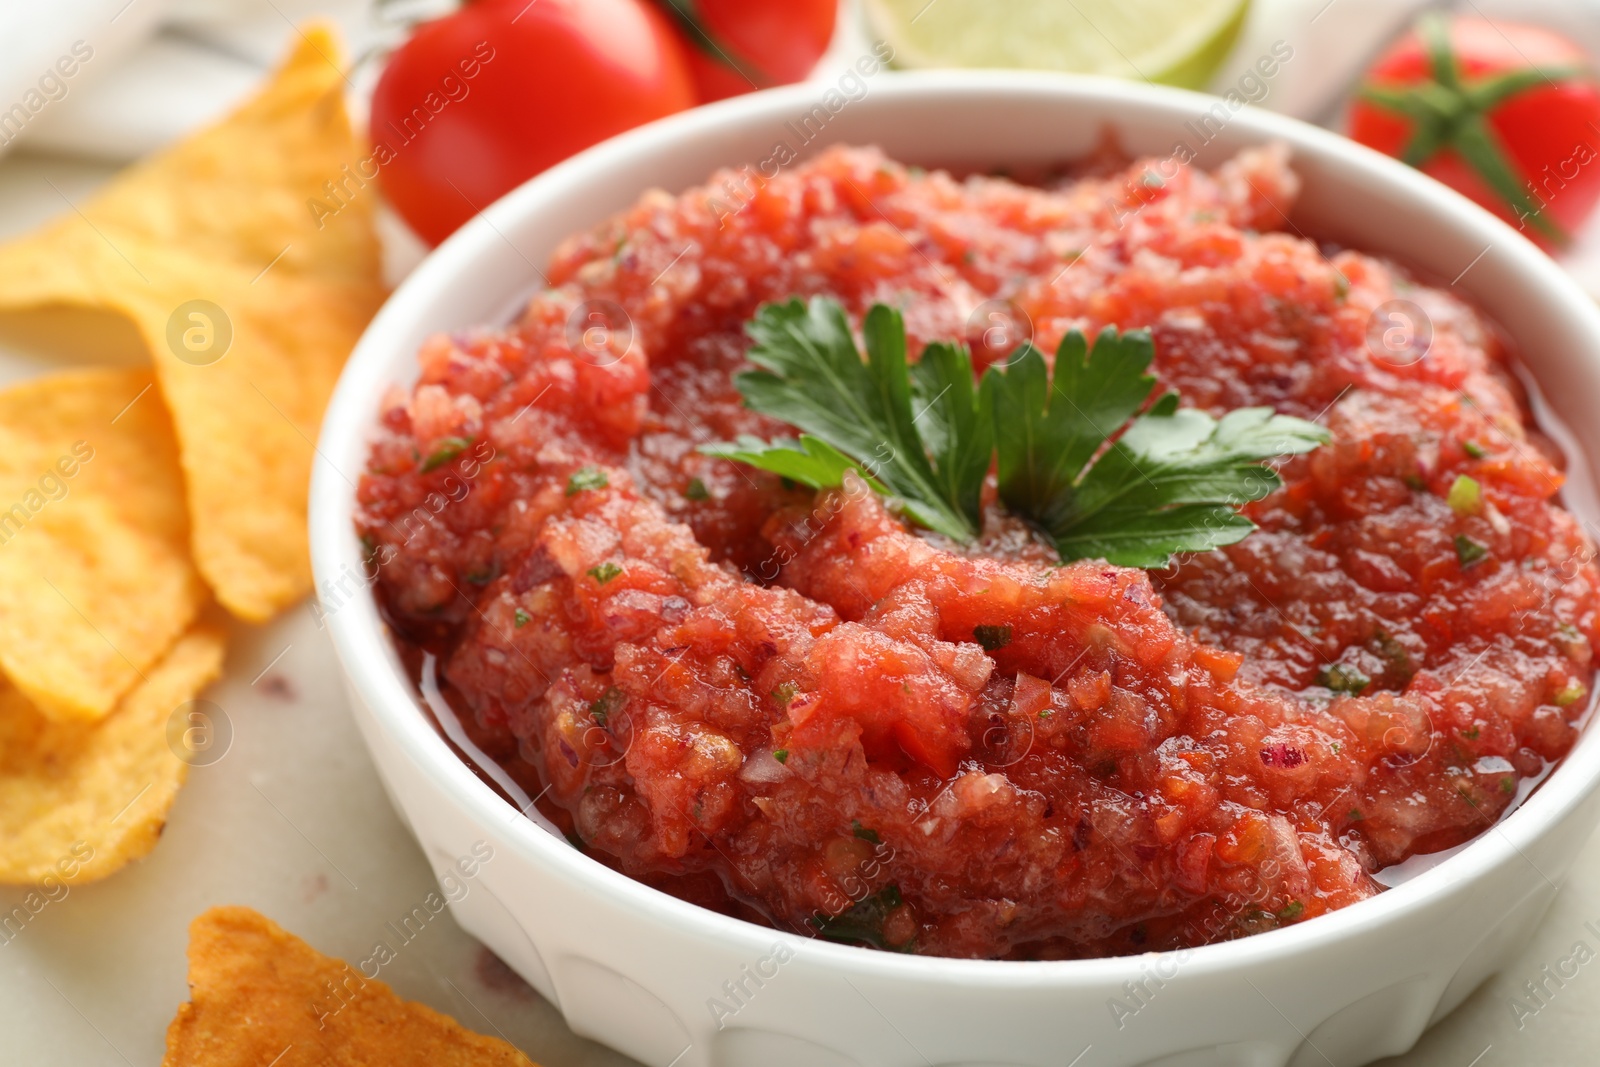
(477, 102)
(1507, 114)
(736, 46)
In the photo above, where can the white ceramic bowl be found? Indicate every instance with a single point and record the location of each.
(639, 970)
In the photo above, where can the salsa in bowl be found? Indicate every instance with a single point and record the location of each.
(793, 693)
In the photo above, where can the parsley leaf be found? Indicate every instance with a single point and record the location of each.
(953, 426)
(992, 638)
(812, 377)
(1069, 460)
(1343, 678)
(447, 450)
(612, 699)
(1469, 551)
(1047, 432)
(863, 922)
(809, 461)
(604, 572)
(589, 477)
(1169, 483)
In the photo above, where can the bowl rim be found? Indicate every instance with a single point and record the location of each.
(361, 640)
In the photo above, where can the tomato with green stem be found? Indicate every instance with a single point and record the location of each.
(481, 100)
(737, 46)
(1507, 114)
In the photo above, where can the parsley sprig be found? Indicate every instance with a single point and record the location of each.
(1084, 455)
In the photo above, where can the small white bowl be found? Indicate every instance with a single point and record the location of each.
(644, 972)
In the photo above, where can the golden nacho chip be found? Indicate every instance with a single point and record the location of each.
(95, 576)
(260, 995)
(80, 800)
(246, 258)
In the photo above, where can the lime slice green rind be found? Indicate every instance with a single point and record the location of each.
(1196, 71)
(1176, 42)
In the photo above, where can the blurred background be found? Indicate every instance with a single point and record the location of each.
(161, 68)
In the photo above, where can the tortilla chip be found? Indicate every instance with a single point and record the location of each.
(80, 800)
(260, 995)
(95, 576)
(246, 258)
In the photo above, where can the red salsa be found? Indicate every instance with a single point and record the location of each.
(796, 708)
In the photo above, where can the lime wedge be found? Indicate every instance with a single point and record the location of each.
(1178, 42)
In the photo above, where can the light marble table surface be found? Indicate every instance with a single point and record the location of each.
(293, 822)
